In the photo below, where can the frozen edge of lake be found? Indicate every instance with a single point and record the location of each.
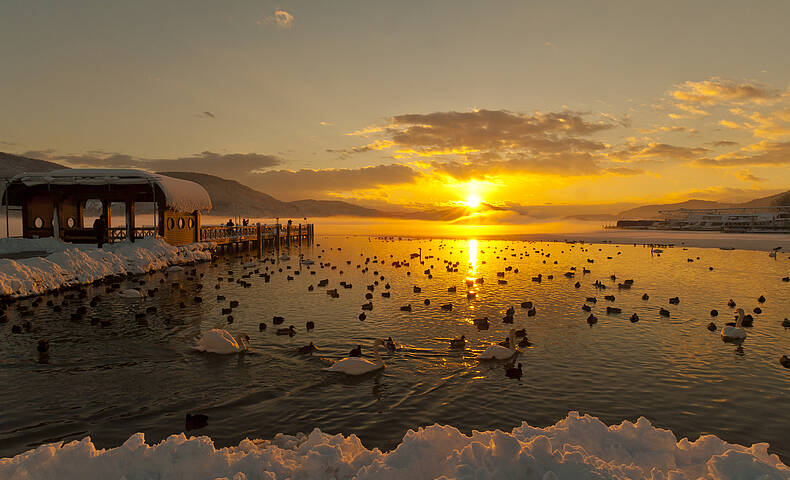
(70, 264)
(579, 446)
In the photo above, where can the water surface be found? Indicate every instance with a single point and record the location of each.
(110, 381)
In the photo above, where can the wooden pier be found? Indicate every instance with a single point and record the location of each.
(256, 236)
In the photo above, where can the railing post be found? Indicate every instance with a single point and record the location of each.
(260, 240)
(300, 234)
(277, 235)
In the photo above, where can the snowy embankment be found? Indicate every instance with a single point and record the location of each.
(576, 447)
(68, 264)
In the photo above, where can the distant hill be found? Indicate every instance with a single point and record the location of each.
(11, 165)
(232, 198)
(650, 212)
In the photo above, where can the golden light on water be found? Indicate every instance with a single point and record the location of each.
(472, 247)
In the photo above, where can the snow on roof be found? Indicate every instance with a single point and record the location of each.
(181, 195)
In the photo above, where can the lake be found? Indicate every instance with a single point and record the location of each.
(111, 381)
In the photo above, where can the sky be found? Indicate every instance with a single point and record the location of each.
(400, 105)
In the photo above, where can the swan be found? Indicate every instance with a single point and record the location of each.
(357, 365)
(498, 352)
(735, 333)
(130, 293)
(222, 342)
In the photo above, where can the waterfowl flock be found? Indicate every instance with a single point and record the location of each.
(417, 270)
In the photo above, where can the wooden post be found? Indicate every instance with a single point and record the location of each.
(56, 220)
(300, 234)
(277, 235)
(260, 239)
(198, 233)
(130, 220)
(288, 233)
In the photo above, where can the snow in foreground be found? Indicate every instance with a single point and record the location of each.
(69, 264)
(576, 447)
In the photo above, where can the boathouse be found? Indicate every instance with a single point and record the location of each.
(53, 204)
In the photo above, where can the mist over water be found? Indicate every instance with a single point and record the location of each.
(108, 382)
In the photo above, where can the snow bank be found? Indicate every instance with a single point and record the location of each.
(576, 447)
(70, 264)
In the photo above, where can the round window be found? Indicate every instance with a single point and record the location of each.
(191, 223)
(71, 222)
(38, 222)
(171, 224)
(180, 223)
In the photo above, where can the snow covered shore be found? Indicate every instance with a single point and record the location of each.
(68, 264)
(576, 447)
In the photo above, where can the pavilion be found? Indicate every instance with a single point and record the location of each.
(53, 204)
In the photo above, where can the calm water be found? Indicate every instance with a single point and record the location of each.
(109, 382)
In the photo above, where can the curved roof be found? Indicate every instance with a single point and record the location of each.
(181, 195)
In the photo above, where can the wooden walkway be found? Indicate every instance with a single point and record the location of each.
(256, 236)
(226, 238)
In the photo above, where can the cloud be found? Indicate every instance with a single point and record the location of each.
(325, 124)
(10, 144)
(724, 143)
(764, 153)
(482, 142)
(280, 18)
(717, 90)
(228, 165)
(207, 114)
(747, 176)
(307, 183)
(657, 151)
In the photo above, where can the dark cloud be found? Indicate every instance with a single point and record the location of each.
(566, 164)
(227, 165)
(657, 152)
(723, 143)
(497, 130)
(208, 114)
(305, 183)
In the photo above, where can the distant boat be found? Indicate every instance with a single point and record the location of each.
(306, 261)
(656, 250)
(285, 257)
(726, 248)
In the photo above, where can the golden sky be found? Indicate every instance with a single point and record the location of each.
(402, 104)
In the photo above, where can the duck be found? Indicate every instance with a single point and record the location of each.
(513, 372)
(712, 327)
(290, 331)
(310, 325)
(194, 422)
(130, 293)
(785, 361)
(459, 342)
(221, 341)
(736, 333)
(524, 343)
(498, 352)
(43, 346)
(356, 352)
(359, 366)
(481, 323)
(307, 349)
(663, 312)
(391, 345)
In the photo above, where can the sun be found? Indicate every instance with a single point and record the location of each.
(473, 201)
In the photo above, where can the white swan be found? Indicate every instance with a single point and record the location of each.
(498, 352)
(737, 332)
(357, 365)
(130, 293)
(220, 341)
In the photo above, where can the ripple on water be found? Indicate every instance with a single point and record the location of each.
(109, 381)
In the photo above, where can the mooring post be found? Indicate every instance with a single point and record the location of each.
(277, 234)
(260, 240)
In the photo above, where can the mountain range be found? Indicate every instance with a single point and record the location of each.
(231, 198)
